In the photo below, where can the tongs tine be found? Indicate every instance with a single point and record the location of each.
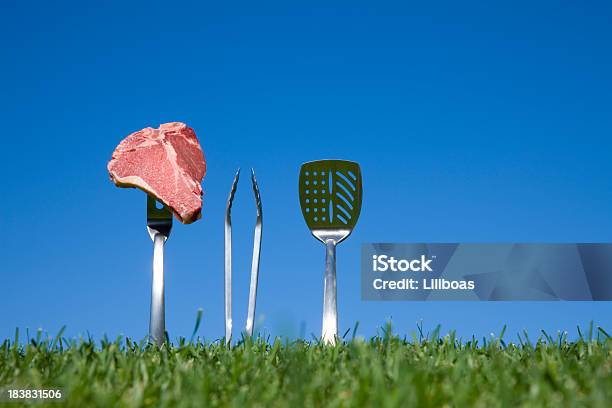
(159, 225)
(254, 264)
(255, 261)
(228, 260)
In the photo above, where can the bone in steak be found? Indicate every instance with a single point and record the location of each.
(167, 163)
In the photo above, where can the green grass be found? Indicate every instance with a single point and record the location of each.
(385, 371)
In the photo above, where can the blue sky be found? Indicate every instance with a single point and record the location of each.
(473, 122)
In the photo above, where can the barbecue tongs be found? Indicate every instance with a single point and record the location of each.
(228, 259)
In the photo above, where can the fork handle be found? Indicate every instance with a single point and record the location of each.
(157, 323)
(329, 331)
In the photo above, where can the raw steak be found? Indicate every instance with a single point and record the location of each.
(167, 163)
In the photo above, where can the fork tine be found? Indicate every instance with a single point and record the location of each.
(255, 261)
(159, 220)
(228, 260)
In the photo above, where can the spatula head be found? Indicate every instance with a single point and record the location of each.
(330, 195)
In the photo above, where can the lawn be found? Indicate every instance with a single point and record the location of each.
(425, 370)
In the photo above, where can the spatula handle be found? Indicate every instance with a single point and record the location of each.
(157, 324)
(330, 315)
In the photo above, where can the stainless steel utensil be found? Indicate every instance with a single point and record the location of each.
(159, 225)
(254, 262)
(330, 198)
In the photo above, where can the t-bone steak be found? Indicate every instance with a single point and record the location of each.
(167, 163)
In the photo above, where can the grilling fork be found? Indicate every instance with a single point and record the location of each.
(159, 224)
(254, 263)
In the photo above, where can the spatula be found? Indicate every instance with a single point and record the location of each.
(159, 224)
(330, 198)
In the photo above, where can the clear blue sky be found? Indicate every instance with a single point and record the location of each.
(472, 123)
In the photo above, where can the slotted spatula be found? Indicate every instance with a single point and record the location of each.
(330, 197)
(159, 225)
